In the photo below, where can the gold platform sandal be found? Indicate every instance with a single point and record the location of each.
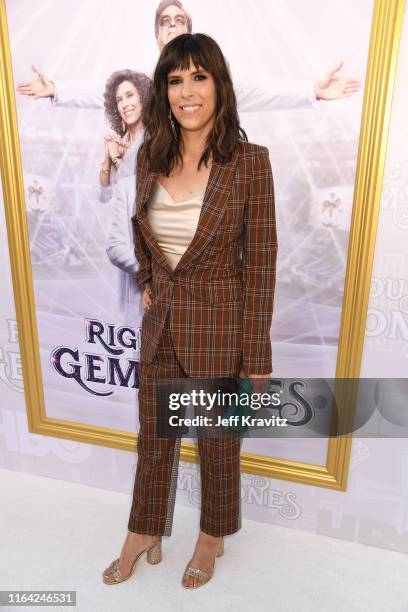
(203, 577)
(154, 556)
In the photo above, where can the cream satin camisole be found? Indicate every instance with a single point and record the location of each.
(174, 223)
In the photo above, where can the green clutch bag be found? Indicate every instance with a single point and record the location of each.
(245, 390)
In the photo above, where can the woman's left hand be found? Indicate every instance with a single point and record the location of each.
(257, 380)
(242, 374)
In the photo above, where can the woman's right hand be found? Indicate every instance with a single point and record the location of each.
(146, 297)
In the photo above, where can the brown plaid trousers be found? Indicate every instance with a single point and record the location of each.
(209, 318)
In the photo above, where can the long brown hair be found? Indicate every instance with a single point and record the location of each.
(161, 144)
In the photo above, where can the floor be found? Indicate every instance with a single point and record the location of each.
(59, 535)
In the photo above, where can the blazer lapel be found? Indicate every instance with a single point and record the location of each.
(215, 200)
(147, 181)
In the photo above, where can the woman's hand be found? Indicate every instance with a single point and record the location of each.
(115, 146)
(146, 297)
(242, 374)
(115, 149)
(258, 380)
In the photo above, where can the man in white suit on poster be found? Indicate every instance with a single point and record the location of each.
(171, 20)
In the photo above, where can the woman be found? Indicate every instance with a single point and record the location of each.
(126, 96)
(205, 238)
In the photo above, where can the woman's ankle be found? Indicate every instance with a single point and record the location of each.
(209, 538)
(143, 537)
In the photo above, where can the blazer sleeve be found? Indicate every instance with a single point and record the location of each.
(142, 252)
(144, 274)
(259, 254)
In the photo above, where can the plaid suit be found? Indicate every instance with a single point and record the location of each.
(209, 317)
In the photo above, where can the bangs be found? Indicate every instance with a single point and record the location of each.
(186, 52)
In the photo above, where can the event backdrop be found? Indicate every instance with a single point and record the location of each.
(89, 339)
(373, 509)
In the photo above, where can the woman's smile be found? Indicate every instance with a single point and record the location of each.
(190, 108)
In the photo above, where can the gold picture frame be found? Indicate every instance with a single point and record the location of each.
(381, 70)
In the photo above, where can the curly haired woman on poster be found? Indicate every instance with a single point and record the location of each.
(126, 96)
(205, 238)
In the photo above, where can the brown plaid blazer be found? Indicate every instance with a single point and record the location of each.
(220, 296)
